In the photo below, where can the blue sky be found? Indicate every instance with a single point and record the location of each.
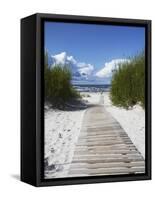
(94, 44)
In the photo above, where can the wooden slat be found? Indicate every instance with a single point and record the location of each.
(107, 170)
(104, 148)
(107, 165)
(90, 151)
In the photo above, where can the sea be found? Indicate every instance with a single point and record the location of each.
(92, 87)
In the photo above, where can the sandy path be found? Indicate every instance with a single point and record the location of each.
(103, 147)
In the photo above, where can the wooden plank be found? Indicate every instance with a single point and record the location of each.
(96, 151)
(105, 145)
(101, 124)
(106, 160)
(107, 165)
(108, 170)
(100, 143)
(103, 137)
(104, 140)
(106, 156)
(106, 128)
(104, 148)
(100, 132)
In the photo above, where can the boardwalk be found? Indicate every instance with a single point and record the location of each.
(104, 148)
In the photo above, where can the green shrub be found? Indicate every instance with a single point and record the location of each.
(58, 87)
(128, 83)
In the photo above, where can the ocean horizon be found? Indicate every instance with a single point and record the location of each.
(92, 87)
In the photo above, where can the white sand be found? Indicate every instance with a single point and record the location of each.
(133, 122)
(91, 97)
(62, 129)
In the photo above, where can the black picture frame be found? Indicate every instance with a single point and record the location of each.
(32, 99)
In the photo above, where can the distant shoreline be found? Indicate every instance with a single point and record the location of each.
(92, 87)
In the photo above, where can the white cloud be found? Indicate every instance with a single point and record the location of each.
(59, 58)
(85, 69)
(106, 71)
(71, 59)
(78, 68)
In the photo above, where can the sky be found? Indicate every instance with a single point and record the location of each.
(96, 45)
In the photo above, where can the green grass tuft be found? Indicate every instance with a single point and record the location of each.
(58, 87)
(128, 83)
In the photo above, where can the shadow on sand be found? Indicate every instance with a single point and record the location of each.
(73, 105)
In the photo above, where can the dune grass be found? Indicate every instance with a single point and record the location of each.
(128, 83)
(58, 87)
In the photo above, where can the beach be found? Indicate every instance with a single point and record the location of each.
(62, 130)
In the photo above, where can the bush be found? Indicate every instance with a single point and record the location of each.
(128, 83)
(58, 88)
